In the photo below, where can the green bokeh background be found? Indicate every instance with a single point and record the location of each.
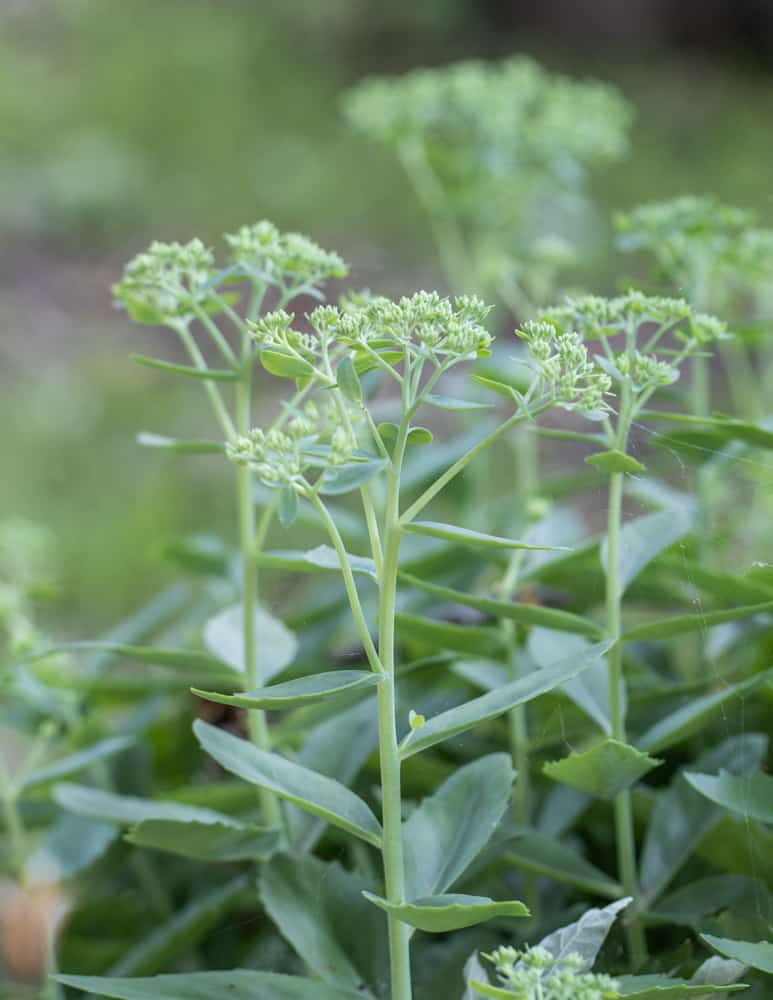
(123, 122)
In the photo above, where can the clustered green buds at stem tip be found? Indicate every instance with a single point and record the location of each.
(536, 974)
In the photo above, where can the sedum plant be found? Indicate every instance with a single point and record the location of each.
(493, 151)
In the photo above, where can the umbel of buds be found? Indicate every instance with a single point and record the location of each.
(536, 974)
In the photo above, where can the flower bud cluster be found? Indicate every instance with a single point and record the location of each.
(536, 973)
(645, 370)
(167, 279)
(563, 364)
(278, 455)
(423, 324)
(275, 329)
(287, 259)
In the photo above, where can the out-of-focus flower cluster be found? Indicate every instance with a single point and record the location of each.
(166, 281)
(535, 974)
(26, 574)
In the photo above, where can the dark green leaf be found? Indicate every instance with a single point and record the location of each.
(315, 792)
(240, 984)
(535, 851)
(225, 840)
(750, 795)
(445, 635)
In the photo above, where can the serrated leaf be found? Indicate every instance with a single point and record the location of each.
(149, 440)
(315, 792)
(74, 762)
(644, 538)
(524, 614)
(296, 693)
(603, 771)
(449, 912)
(348, 380)
(275, 644)
(756, 954)
(612, 462)
(489, 706)
(285, 365)
(451, 403)
(337, 479)
(216, 841)
(447, 831)
(475, 539)
(240, 984)
(206, 374)
(749, 795)
(319, 908)
(692, 716)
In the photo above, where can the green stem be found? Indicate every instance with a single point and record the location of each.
(14, 829)
(253, 678)
(210, 388)
(389, 757)
(624, 830)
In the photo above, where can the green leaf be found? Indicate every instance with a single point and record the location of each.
(450, 912)
(603, 771)
(178, 935)
(750, 795)
(489, 706)
(319, 908)
(690, 905)
(682, 818)
(275, 644)
(445, 635)
(296, 693)
(349, 381)
(585, 936)
(129, 809)
(665, 988)
(448, 830)
(193, 659)
(208, 374)
(240, 984)
(692, 716)
(74, 762)
(590, 690)
(451, 403)
(338, 479)
(756, 954)
(612, 462)
(666, 628)
(315, 792)
(494, 385)
(644, 538)
(535, 851)
(475, 539)
(149, 440)
(323, 557)
(225, 840)
(524, 614)
(70, 845)
(285, 365)
(288, 506)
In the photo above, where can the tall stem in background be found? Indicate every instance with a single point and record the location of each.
(256, 718)
(394, 874)
(624, 831)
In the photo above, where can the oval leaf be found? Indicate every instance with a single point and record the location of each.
(450, 912)
(314, 792)
(338, 479)
(750, 795)
(614, 461)
(275, 644)
(756, 954)
(285, 365)
(219, 841)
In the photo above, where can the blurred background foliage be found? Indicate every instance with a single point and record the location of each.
(125, 122)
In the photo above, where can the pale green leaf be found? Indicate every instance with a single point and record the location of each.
(475, 539)
(749, 795)
(667, 628)
(613, 462)
(604, 770)
(74, 762)
(207, 374)
(338, 479)
(450, 912)
(275, 644)
(755, 954)
(224, 840)
(644, 538)
(298, 692)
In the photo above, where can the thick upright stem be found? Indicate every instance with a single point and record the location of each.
(394, 875)
(624, 831)
(14, 830)
(253, 678)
